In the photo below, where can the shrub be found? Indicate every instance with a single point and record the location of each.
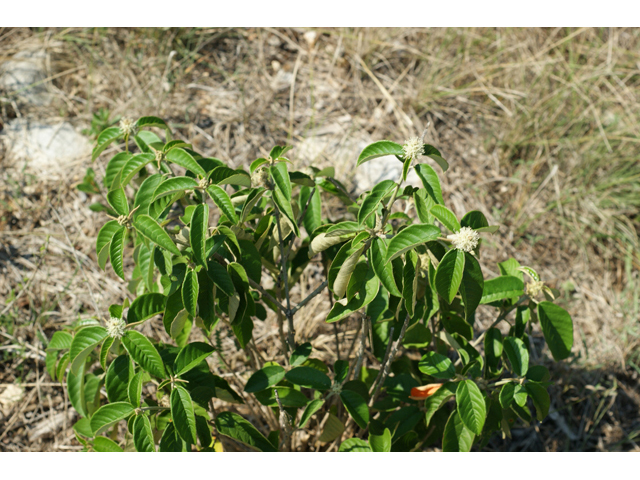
(413, 282)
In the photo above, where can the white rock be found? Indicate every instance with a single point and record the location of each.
(369, 174)
(342, 153)
(44, 148)
(11, 395)
(24, 75)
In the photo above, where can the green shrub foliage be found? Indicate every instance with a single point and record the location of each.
(215, 248)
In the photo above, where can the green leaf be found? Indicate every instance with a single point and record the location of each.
(226, 176)
(371, 201)
(183, 414)
(60, 341)
(436, 365)
(133, 166)
(379, 149)
(493, 347)
(471, 406)
(333, 428)
(449, 274)
(134, 391)
(300, 354)
(152, 122)
(222, 200)
(364, 297)
(289, 397)
(75, 389)
(313, 217)
(174, 185)
(531, 272)
(104, 238)
(220, 277)
(312, 408)
(143, 435)
(144, 195)
(356, 406)
(557, 328)
(446, 217)
(182, 158)
(146, 306)
(322, 241)
(179, 325)
(190, 356)
(257, 163)
(511, 267)
(409, 238)
(104, 444)
(104, 140)
(198, 233)
(83, 427)
(150, 229)
(109, 414)
(280, 176)
(538, 373)
(405, 168)
(118, 378)
(170, 441)
(284, 206)
(234, 426)
(355, 445)
(143, 353)
(457, 437)
(417, 336)
(431, 183)
(474, 219)
(512, 391)
(541, 400)
(433, 153)
(471, 287)
(264, 378)
(114, 167)
(423, 205)
(517, 354)
(83, 344)
(341, 281)
(382, 269)
(438, 399)
(116, 251)
(308, 377)
(380, 443)
(500, 288)
(118, 201)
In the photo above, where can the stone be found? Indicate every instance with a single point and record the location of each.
(45, 149)
(330, 148)
(23, 77)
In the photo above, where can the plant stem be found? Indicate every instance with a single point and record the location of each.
(363, 339)
(291, 334)
(316, 292)
(389, 361)
(501, 317)
(384, 361)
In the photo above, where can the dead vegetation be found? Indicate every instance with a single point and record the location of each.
(540, 127)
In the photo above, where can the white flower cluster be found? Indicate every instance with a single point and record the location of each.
(115, 327)
(203, 183)
(128, 127)
(534, 288)
(413, 148)
(260, 177)
(466, 239)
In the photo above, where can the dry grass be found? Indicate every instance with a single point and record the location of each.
(540, 127)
